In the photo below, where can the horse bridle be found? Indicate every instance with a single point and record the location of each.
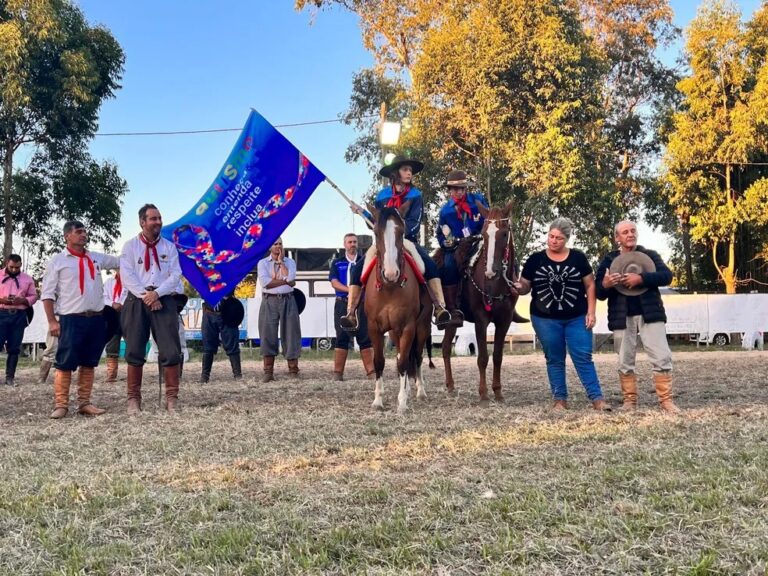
(505, 265)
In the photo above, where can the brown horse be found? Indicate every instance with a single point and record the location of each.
(487, 296)
(396, 303)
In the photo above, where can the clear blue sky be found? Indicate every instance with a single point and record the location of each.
(197, 64)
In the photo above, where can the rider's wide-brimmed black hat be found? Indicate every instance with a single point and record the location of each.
(388, 169)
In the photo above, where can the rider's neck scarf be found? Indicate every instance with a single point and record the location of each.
(117, 290)
(398, 197)
(462, 206)
(150, 244)
(83, 256)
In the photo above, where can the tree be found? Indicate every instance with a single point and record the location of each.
(720, 138)
(55, 72)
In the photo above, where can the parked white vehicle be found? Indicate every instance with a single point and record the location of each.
(716, 338)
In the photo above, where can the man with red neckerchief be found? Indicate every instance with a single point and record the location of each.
(150, 271)
(114, 296)
(73, 282)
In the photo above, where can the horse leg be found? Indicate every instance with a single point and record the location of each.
(450, 332)
(377, 340)
(405, 340)
(498, 354)
(481, 334)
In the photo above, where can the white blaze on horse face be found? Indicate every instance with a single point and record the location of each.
(489, 273)
(391, 269)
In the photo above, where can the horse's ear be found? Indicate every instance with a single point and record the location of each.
(508, 208)
(403, 210)
(374, 212)
(483, 210)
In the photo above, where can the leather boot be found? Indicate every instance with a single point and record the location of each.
(339, 361)
(367, 357)
(181, 367)
(237, 369)
(112, 364)
(171, 377)
(84, 390)
(205, 375)
(629, 390)
(133, 385)
(10, 369)
(269, 369)
(560, 405)
(293, 368)
(442, 316)
(663, 383)
(62, 379)
(45, 369)
(349, 322)
(452, 303)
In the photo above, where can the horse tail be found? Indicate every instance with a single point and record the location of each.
(518, 319)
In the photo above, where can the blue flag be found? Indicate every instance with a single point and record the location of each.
(262, 186)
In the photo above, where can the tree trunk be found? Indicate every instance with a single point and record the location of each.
(686, 228)
(7, 191)
(728, 272)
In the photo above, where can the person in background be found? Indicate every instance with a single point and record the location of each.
(339, 276)
(17, 295)
(114, 296)
(563, 305)
(218, 329)
(279, 313)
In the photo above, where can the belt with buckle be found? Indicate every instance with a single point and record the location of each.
(342, 298)
(88, 313)
(11, 310)
(286, 295)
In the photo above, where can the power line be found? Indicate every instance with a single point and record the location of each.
(213, 130)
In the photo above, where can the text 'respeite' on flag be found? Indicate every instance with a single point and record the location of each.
(263, 185)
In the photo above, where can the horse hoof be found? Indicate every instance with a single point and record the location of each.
(452, 392)
(378, 406)
(484, 402)
(422, 397)
(499, 399)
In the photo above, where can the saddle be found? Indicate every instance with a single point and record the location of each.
(412, 257)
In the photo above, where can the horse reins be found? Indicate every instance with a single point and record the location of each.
(505, 265)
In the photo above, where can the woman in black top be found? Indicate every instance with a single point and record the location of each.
(563, 304)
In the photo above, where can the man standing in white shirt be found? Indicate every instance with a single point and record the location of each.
(150, 271)
(73, 282)
(279, 313)
(114, 296)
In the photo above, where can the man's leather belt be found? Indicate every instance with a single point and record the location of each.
(88, 313)
(10, 310)
(286, 295)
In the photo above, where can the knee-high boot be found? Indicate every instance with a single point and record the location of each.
(269, 369)
(133, 385)
(62, 379)
(349, 322)
(171, 377)
(629, 390)
(45, 369)
(339, 361)
(10, 369)
(663, 383)
(237, 369)
(112, 364)
(205, 375)
(84, 390)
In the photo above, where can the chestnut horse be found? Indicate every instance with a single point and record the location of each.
(395, 302)
(486, 296)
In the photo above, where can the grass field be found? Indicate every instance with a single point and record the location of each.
(302, 477)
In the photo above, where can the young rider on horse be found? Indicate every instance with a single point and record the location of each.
(459, 218)
(400, 173)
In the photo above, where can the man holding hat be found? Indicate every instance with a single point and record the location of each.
(400, 173)
(17, 295)
(459, 218)
(279, 311)
(629, 278)
(221, 325)
(72, 284)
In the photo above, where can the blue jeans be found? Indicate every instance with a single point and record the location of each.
(559, 336)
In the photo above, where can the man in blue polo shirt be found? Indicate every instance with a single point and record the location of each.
(339, 276)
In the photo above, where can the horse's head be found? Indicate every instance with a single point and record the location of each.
(497, 238)
(389, 230)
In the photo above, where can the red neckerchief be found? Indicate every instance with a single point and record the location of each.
(83, 258)
(397, 199)
(117, 290)
(462, 206)
(147, 246)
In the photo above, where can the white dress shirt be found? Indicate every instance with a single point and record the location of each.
(165, 279)
(267, 267)
(61, 282)
(109, 292)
